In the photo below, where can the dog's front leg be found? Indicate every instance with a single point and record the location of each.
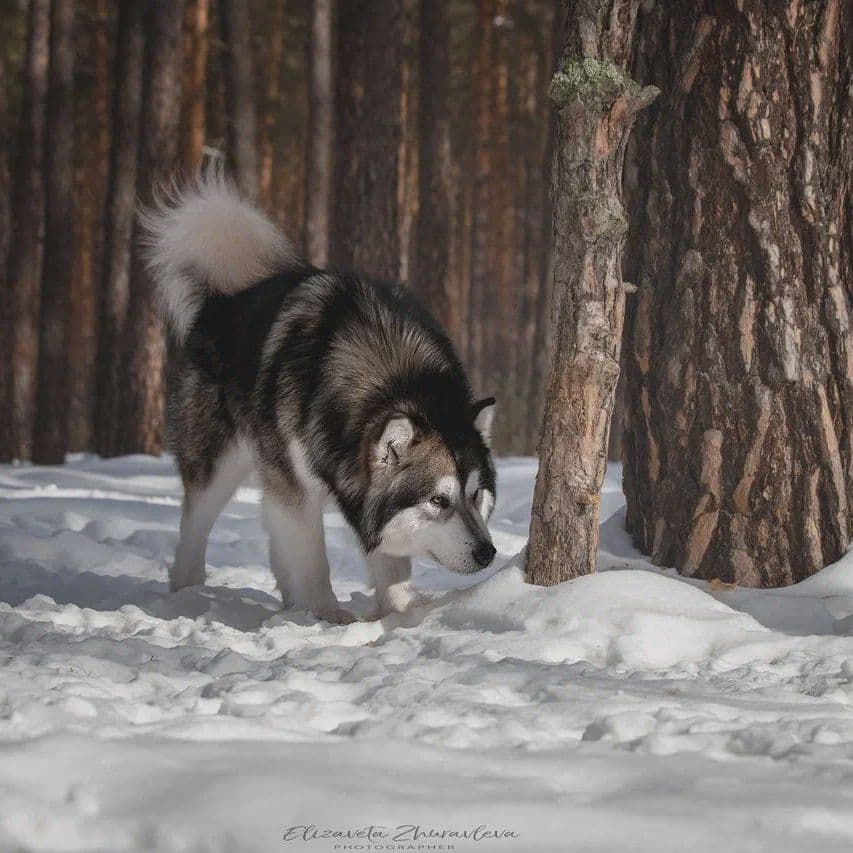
(298, 556)
(392, 578)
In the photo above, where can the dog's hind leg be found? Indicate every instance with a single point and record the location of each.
(294, 522)
(204, 499)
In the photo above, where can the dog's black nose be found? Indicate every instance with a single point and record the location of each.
(484, 554)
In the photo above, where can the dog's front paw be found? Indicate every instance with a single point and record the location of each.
(399, 598)
(335, 615)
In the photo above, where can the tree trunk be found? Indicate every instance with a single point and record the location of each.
(318, 170)
(269, 37)
(242, 146)
(51, 426)
(597, 103)
(20, 345)
(120, 213)
(141, 421)
(196, 43)
(93, 151)
(480, 286)
(407, 164)
(430, 275)
(366, 219)
(739, 445)
(540, 36)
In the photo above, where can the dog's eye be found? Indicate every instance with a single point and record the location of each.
(474, 495)
(440, 501)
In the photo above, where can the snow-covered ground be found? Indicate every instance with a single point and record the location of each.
(631, 710)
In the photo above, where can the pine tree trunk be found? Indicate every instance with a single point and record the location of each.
(480, 286)
(269, 37)
(431, 270)
(141, 418)
(50, 437)
(5, 295)
(739, 445)
(242, 144)
(540, 34)
(597, 103)
(365, 218)
(93, 151)
(120, 212)
(320, 136)
(407, 164)
(196, 43)
(20, 345)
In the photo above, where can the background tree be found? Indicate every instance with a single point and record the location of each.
(320, 136)
(196, 45)
(739, 442)
(20, 329)
(141, 413)
(50, 437)
(597, 103)
(94, 37)
(365, 211)
(431, 268)
(242, 145)
(120, 213)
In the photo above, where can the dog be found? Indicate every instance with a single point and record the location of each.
(323, 383)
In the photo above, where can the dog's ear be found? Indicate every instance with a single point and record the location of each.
(394, 442)
(483, 412)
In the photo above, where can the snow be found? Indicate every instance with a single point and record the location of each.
(629, 710)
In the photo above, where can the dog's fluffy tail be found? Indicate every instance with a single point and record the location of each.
(205, 238)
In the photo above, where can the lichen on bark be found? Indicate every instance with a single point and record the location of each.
(595, 83)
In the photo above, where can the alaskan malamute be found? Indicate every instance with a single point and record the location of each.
(322, 382)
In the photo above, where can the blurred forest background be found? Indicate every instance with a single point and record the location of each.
(407, 140)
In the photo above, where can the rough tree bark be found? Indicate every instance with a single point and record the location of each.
(120, 212)
(20, 344)
(141, 416)
(50, 435)
(739, 446)
(431, 268)
(597, 103)
(365, 232)
(242, 147)
(320, 136)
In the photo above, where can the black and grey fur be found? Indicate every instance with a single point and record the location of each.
(322, 383)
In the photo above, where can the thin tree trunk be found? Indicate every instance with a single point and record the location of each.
(431, 272)
(534, 128)
(50, 437)
(407, 164)
(6, 322)
(196, 44)
(93, 151)
(739, 447)
(120, 211)
(482, 84)
(141, 421)
(242, 145)
(597, 103)
(320, 136)
(20, 345)
(269, 35)
(366, 219)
